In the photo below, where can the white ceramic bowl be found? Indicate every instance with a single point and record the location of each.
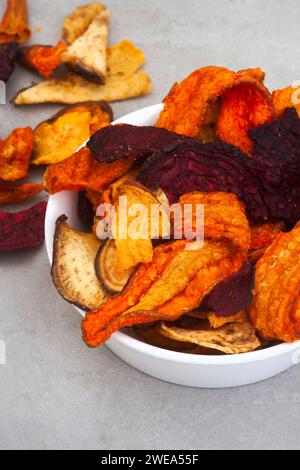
(179, 368)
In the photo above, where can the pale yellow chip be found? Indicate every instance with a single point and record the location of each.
(133, 240)
(124, 59)
(76, 24)
(72, 89)
(234, 338)
(216, 322)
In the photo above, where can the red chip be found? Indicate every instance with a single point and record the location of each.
(23, 229)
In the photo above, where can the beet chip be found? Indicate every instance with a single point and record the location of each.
(8, 52)
(23, 229)
(277, 157)
(192, 166)
(126, 141)
(233, 294)
(268, 183)
(85, 210)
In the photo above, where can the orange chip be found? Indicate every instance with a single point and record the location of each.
(15, 154)
(13, 194)
(178, 279)
(256, 73)
(82, 171)
(243, 107)
(43, 59)
(205, 88)
(286, 98)
(275, 310)
(264, 234)
(14, 25)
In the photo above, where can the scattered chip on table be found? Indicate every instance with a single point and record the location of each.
(55, 139)
(14, 25)
(15, 153)
(22, 230)
(42, 59)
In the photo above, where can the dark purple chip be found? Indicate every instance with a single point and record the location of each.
(126, 141)
(268, 183)
(276, 154)
(8, 54)
(233, 294)
(23, 229)
(192, 166)
(85, 210)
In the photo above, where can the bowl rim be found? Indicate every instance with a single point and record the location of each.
(159, 353)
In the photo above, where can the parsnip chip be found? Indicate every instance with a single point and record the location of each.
(234, 338)
(73, 270)
(55, 139)
(217, 321)
(151, 335)
(14, 25)
(72, 89)
(87, 56)
(76, 24)
(15, 154)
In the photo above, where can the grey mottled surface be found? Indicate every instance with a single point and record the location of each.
(55, 392)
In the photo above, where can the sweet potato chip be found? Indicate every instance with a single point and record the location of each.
(13, 194)
(256, 73)
(136, 247)
(73, 270)
(82, 171)
(15, 154)
(8, 52)
(124, 59)
(243, 107)
(204, 88)
(177, 279)
(87, 55)
(42, 59)
(76, 24)
(216, 321)
(263, 235)
(72, 89)
(286, 98)
(22, 230)
(14, 25)
(234, 338)
(55, 139)
(275, 310)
